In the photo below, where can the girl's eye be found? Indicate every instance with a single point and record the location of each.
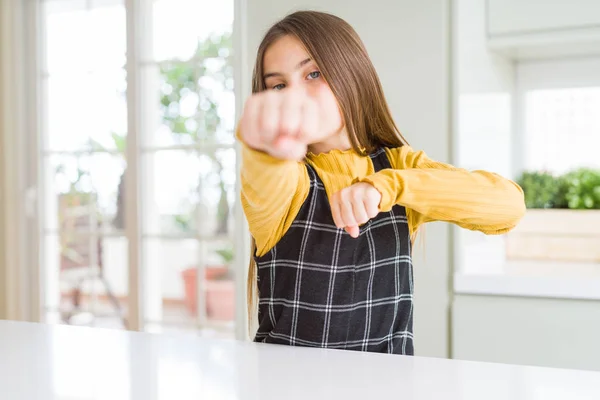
(278, 87)
(314, 75)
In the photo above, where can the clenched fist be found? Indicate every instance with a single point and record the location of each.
(355, 205)
(281, 123)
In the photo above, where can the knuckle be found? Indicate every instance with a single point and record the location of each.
(285, 128)
(288, 125)
(373, 193)
(268, 123)
(309, 102)
(350, 199)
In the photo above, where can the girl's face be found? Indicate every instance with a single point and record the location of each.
(286, 64)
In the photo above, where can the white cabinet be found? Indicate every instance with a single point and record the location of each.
(533, 29)
(556, 333)
(520, 17)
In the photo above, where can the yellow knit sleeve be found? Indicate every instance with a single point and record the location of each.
(272, 192)
(433, 191)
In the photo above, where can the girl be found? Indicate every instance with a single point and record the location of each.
(334, 195)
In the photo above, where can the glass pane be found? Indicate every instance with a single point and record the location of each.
(189, 193)
(178, 26)
(562, 129)
(171, 282)
(196, 103)
(86, 111)
(86, 280)
(78, 37)
(84, 193)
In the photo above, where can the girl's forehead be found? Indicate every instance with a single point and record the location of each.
(284, 54)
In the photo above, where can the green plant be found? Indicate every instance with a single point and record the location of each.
(582, 188)
(183, 84)
(577, 189)
(226, 254)
(194, 82)
(542, 189)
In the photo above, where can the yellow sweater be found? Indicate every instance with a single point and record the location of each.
(273, 190)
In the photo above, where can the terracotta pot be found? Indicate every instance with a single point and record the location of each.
(220, 293)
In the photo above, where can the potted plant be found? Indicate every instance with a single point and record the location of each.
(562, 222)
(220, 288)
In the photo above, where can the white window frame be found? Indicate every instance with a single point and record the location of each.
(19, 294)
(30, 291)
(10, 281)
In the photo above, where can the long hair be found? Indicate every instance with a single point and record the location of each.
(345, 65)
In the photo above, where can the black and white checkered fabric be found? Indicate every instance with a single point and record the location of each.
(320, 287)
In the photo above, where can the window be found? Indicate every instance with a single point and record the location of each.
(562, 128)
(558, 118)
(549, 122)
(179, 117)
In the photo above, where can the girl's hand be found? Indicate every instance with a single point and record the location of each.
(279, 123)
(355, 205)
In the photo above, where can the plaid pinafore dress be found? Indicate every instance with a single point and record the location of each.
(320, 287)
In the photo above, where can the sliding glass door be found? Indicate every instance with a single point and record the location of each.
(137, 178)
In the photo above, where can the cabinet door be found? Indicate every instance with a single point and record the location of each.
(515, 17)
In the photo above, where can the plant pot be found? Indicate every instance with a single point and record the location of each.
(556, 235)
(220, 300)
(220, 293)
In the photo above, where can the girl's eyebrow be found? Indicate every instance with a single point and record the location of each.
(274, 74)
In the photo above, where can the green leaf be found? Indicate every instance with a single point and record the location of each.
(541, 189)
(583, 188)
(226, 254)
(120, 141)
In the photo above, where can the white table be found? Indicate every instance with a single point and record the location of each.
(67, 363)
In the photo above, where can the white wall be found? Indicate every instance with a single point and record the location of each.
(484, 97)
(484, 84)
(408, 42)
(558, 73)
(483, 105)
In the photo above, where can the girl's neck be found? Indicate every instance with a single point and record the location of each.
(338, 141)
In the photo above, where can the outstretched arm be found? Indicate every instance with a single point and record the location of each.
(433, 191)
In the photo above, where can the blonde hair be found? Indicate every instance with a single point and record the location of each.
(345, 65)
